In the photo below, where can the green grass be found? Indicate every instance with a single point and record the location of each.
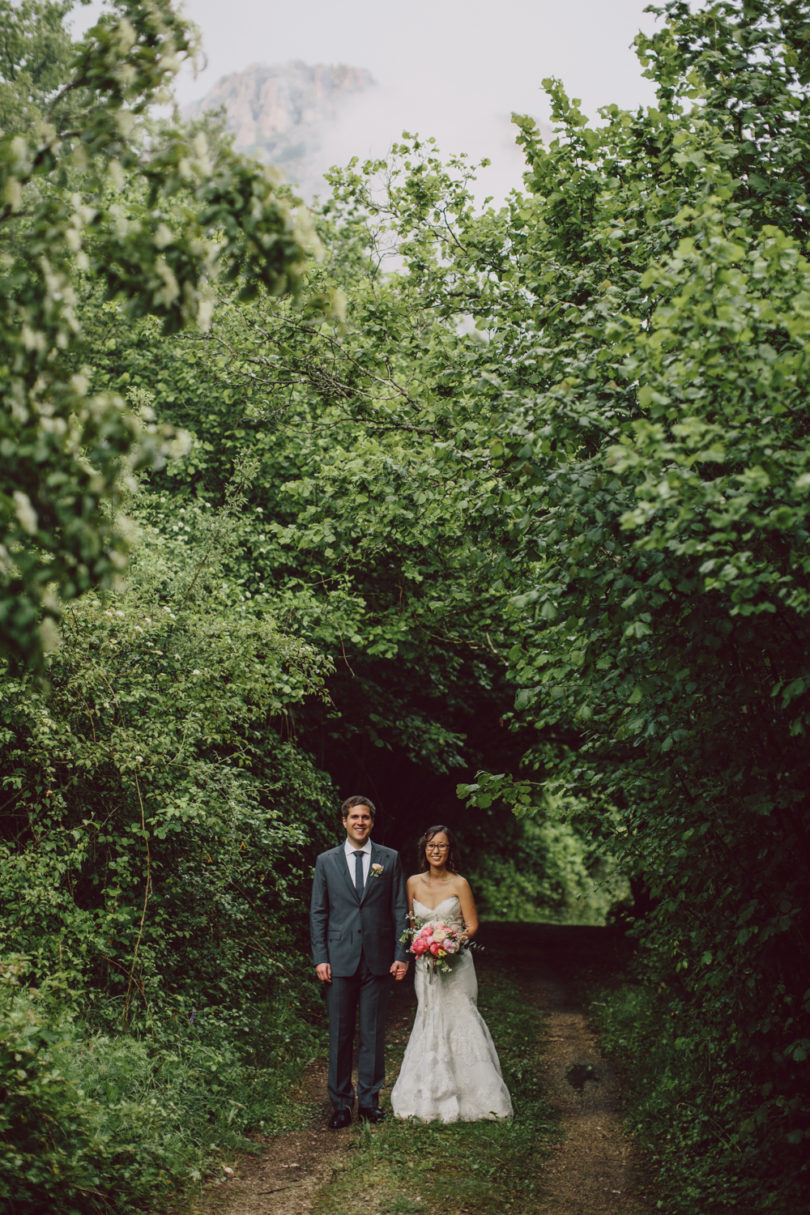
(403, 1168)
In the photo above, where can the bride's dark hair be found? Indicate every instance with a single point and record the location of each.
(452, 857)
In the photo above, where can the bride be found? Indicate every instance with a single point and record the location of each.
(450, 1072)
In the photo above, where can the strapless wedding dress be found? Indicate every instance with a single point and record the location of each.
(450, 1072)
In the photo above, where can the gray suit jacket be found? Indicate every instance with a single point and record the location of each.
(342, 924)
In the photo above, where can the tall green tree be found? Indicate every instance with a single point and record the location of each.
(190, 210)
(659, 445)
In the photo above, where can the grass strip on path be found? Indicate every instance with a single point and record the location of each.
(474, 1168)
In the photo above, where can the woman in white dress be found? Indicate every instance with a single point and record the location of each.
(450, 1072)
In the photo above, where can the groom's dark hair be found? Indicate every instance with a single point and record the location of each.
(357, 800)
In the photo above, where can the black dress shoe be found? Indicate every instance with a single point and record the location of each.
(339, 1119)
(371, 1113)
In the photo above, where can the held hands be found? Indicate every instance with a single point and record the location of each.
(324, 971)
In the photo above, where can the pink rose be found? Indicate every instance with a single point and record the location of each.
(434, 948)
(419, 945)
(450, 946)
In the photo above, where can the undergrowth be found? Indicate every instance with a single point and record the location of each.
(691, 1110)
(96, 1121)
(477, 1167)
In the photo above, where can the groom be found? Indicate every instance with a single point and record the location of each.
(359, 911)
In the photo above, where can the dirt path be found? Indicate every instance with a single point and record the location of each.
(592, 1171)
(285, 1178)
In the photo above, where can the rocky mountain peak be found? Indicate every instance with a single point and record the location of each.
(282, 113)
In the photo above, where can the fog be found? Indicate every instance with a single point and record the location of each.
(369, 124)
(454, 69)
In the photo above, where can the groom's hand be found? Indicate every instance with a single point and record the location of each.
(399, 970)
(324, 972)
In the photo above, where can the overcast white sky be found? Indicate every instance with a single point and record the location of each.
(495, 52)
(455, 69)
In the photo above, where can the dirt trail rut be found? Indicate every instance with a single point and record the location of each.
(594, 1170)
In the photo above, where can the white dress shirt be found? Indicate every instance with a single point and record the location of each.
(350, 849)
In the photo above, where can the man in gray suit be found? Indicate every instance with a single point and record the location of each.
(358, 914)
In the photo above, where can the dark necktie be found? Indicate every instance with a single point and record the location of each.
(358, 871)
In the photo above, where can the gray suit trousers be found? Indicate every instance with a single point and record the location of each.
(345, 996)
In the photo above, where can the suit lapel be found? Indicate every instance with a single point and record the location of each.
(340, 861)
(375, 856)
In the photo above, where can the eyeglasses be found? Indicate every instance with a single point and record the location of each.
(437, 847)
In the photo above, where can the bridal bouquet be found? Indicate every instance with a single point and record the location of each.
(437, 943)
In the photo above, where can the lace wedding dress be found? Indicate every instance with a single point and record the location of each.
(450, 1072)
